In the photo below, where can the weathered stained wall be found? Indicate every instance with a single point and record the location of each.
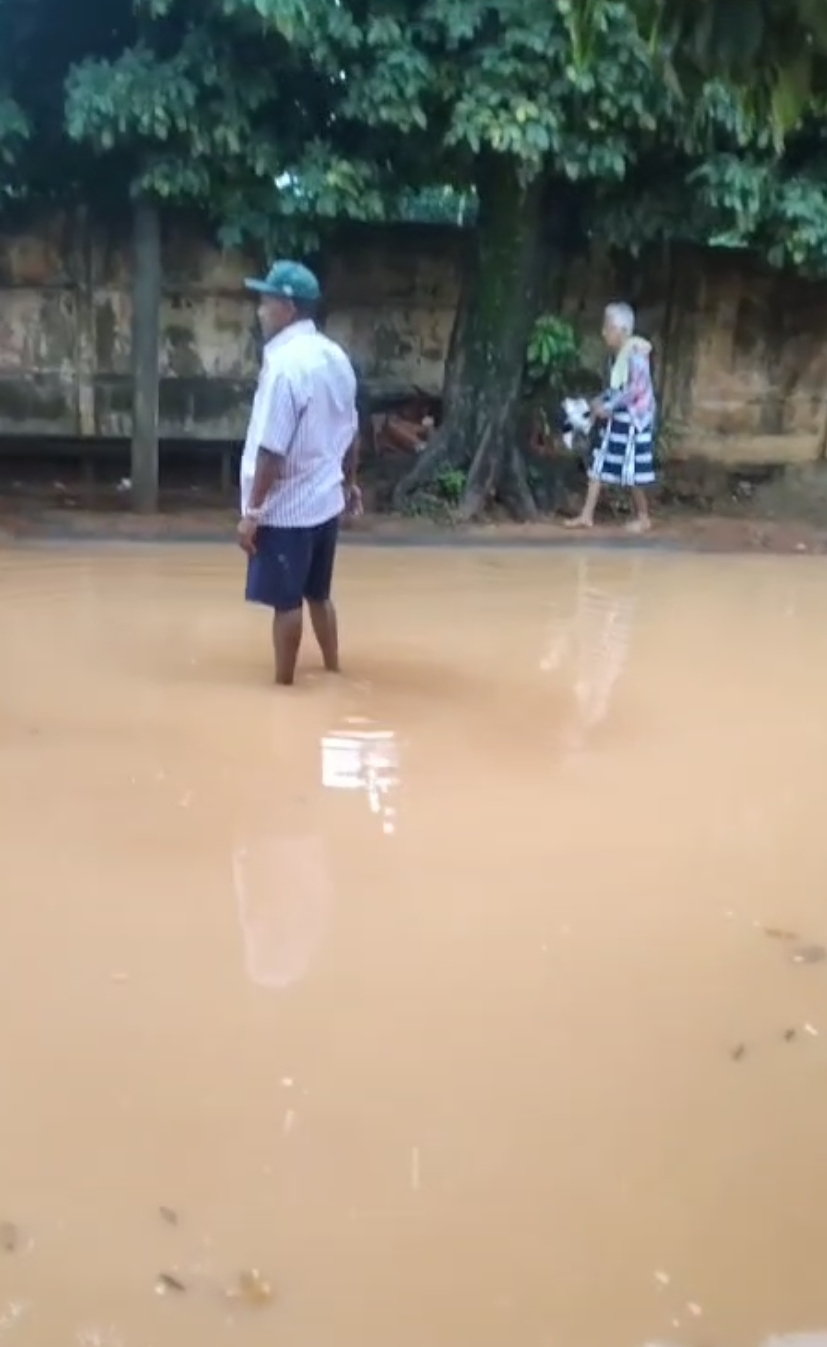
(741, 352)
(65, 315)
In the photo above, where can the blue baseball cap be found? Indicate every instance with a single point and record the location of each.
(288, 280)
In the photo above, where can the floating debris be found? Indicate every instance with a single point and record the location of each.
(778, 933)
(694, 1309)
(738, 1052)
(9, 1237)
(809, 954)
(811, 1030)
(789, 1035)
(252, 1289)
(166, 1283)
(167, 1214)
(663, 1278)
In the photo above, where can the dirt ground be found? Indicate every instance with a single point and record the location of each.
(698, 506)
(674, 529)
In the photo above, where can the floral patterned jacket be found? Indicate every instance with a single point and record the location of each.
(631, 387)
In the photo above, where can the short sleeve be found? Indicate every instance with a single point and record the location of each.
(281, 415)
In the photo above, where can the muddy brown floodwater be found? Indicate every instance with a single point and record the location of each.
(471, 1000)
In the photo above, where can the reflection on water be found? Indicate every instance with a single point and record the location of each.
(545, 1069)
(589, 640)
(284, 883)
(284, 892)
(364, 759)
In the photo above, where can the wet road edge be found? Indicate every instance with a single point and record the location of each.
(40, 540)
(49, 537)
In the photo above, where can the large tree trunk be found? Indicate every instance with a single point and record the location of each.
(498, 303)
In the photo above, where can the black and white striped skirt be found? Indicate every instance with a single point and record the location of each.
(625, 456)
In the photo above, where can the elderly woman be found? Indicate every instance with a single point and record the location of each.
(624, 456)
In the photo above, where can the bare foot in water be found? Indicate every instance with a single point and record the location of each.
(639, 526)
(581, 522)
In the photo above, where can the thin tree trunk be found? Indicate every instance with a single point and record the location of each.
(146, 306)
(484, 370)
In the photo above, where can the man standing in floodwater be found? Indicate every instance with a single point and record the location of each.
(298, 469)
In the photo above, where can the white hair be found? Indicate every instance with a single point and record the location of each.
(621, 316)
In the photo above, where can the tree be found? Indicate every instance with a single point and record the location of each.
(740, 39)
(220, 112)
(162, 102)
(15, 126)
(215, 111)
(14, 130)
(676, 106)
(542, 117)
(283, 113)
(772, 52)
(40, 42)
(544, 113)
(774, 205)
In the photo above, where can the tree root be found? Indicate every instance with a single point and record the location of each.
(443, 452)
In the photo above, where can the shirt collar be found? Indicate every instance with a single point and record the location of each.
(302, 328)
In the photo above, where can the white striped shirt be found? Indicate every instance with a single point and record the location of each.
(305, 412)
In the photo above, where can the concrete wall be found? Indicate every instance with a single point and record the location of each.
(742, 353)
(65, 314)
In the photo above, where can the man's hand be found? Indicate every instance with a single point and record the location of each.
(247, 530)
(353, 502)
(599, 411)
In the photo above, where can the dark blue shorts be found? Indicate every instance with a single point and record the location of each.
(291, 565)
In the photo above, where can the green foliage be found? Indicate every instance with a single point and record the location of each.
(450, 484)
(441, 498)
(553, 351)
(437, 205)
(280, 117)
(199, 118)
(775, 206)
(40, 42)
(795, 234)
(774, 52)
(507, 77)
(14, 131)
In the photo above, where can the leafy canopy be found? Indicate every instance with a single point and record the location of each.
(774, 51)
(274, 114)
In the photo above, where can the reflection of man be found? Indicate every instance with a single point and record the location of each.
(284, 892)
(301, 445)
(284, 876)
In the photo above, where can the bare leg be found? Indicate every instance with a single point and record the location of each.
(326, 631)
(287, 637)
(642, 523)
(585, 519)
